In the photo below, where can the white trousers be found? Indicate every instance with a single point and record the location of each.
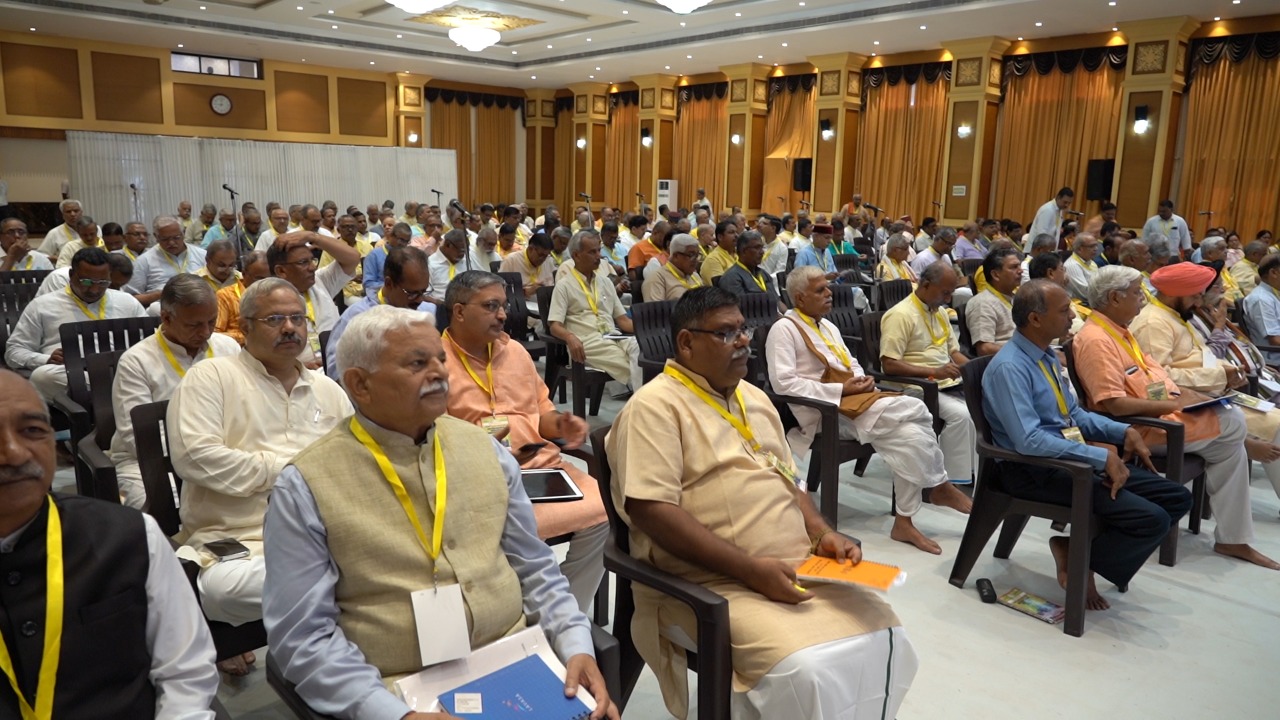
(1227, 478)
(132, 492)
(959, 439)
(583, 567)
(902, 435)
(49, 380)
(231, 591)
(840, 680)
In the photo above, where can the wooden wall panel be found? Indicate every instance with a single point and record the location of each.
(648, 183)
(599, 148)
(531, 163)
(126, 88)
(851, 128)
(547, 185)
(988, 158)
(964, 153)
(666, 156)
(41, 81)
(756, 195)
(823, 182)
(579, 162)
(302, 102)
(1133, 197)
(191, 107)
(737, 162)
(362, 107)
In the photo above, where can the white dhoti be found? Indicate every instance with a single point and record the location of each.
(1266, 426)
(129, 479)
(901, 431)
(1227, 478)
(231, 591)
(843, 679)
(619, 358)
(49, 380)
(958, 439)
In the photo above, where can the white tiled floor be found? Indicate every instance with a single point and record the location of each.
(1199, 640)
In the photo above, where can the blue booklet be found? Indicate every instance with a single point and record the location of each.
(525, 690)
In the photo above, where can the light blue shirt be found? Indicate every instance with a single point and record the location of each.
(154, 267)
(1023, 410)
(365, 303)
(372, 270)
(966, 249)
(1262, 308)
(809, 256)
(301, 614)
(215, 232)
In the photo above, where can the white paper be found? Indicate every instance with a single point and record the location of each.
(468, 704)
(442, 624)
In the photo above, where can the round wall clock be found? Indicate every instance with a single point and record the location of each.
(220, 104)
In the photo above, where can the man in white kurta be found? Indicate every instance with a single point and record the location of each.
(800, 348)
(87, 236)
(35, 343)
(293, 259)
(234, 423)
(585, 307)
(1081, 267)
(150, 370)
(704, 503)
(66, 232)
(279, 225)
(1048, 219)
(17, 253)
(168, 257)
(1172, 226)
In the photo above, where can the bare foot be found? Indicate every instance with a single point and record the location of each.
(238, 666)
(1093, 599)
(1246, 553)
(905, 531)
(948, 495)
(1261, 450)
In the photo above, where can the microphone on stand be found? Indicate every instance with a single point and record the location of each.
(458, 206)
(937, 204)
(1075, 213)
(584, 196)
(869, 206)
(228, 189)
(137, 211)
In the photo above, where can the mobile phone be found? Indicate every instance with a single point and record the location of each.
(227, 549)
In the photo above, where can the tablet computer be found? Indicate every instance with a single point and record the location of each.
(549, 485)
(1211, 402)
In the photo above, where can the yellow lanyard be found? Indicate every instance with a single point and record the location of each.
(393, 479)
(928, 322)
(168, 353)
(382, 300)
(1088, 266)
(821, 256)
(102, 306)
(903, 270)
(31, 261)
(759, 280)
(612, 252)
(1057, 391)
(1130, 344)
(1171, 311)
(683, 282)
(591, 299)
(48, 676)
(728, 259)
(239, 288)
(840, 352)
(176, 266)
(212, 283)
(453, 270)
(488, 372)
(1000, 296)
(702, 250)
(311, 311)
(129, 254)
(742, 426)
(655, 247)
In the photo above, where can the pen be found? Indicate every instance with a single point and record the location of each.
(798, 587)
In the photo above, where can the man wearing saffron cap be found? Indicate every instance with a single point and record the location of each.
(1163, 330)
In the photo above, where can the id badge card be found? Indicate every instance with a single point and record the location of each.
(787, 472)
(441, 620)
(1073, 434)
(495, 424)
(1157, 391)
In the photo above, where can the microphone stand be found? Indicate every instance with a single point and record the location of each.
(137, 209)
(438, 196)
(234, 228)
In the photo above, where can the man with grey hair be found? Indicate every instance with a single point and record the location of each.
(17, 254)
(219, 269)
(484, 250)
(1162, 251)
(71, 210)
(1040, 244)
(703, 202)
(895, 265)
(220, 231)
(1213, 253)
(1080, 266)
(586, 314)
(1245, 272)
(451, 258)
(1122, 380)
(195, 232)
(278, 221)
(679, 275)
(87, 235)
(939, 250)
(560, 238)
(234, 423)
(341, 619)
(406, 284)
(168, 257)
(150, 369)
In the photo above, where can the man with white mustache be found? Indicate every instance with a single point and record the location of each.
(234, 423)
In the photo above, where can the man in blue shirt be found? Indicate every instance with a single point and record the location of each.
(1032, 412)
(374, 262)
(819, 254)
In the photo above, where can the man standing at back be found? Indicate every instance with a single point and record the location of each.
(1172, 226)
(1049, 217)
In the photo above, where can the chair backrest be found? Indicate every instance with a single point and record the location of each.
(494, 265)
(893, 292)
(13, 300)
(652, 322)
(870, 347)
(517, 325)
(544, 306)
(782, 287)
(965, 338)
(82, 339)
(715, 281)
(972, 373)
(324, 347)
(969, 266)
(604, 477)
(101, 368)
(1068, 351)
(791, 259)
(163, 486)
(844, 315)
(24, 277)
(759, 309)
(846, 261)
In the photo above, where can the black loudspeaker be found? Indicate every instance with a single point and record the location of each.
(802, 174)
(1098, 180)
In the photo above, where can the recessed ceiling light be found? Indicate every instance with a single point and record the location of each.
(681, 24)
(399, 36)
(202, 7)
(1112, 3)
(873, 54)
(515, 52)
(299, 7)
(304, 59)
(688, 57)
(331, 12)
(801, 4)
(334, 27)
(371, 62)
(1233, 2)
(588, 39)
(737, 14)
(626, 12)
(533, 77)
(784, 45)
(775, 64)
(179, 44)
(1115, 29)
(591, 77)
(597, 69)
(1019, 38)
(923, 27)
(1039, 24)
(666, 67)
(548, 47)
(759, 57)
(875, 42)
(1216, 18)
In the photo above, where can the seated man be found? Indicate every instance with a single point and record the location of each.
(168, 257)
(894, 266)
(484, 250)
(221, 230)
(1137, 506)
(703, 505)
(1120, 379)
(775, 246)
(87, 229)
(396, 236)
(17, 251)
(585, 307)
(51, 246)
(116, 585)
(194, 231)
(803, 348)
(1262, 308)
(278, 218)
(679, 275)
(818, 254)
(916, 341)
(339, 616)
(255, 269)
(406, 282)
(292, 258)
(220, 265)
(36, 344)
(745, 275)
(452, 258)
(560, 238)
(233, 424)
(1245, 271)
(989, 313)
(150, 370)
(1081, 267)
(347, 232)
(507, 244)
(719, 261)
(938, 250)
(493, 383)
(645, 253)
(531, 263)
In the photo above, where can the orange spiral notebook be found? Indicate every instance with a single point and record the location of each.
(866, 573)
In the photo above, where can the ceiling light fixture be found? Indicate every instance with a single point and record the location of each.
(333, 27)
(1217, 18)
(737, 14)
(582, 143)
(828, 132)
(413, 137)
(419, 7)
(1233, 2)
(873, 54)
(688, 57)
(875, 42)
(1112, 3)
(646, 138)
(549, 47)
(1140, 122)
(588, 39)
(784, 45)
(964, 131)
(1019, 38)
(681, 7)
(924, 27)
(300, 7)
(591, 77)
(179, 44)
(372, 62)
(1115, 29)
(533, 77)
(515, 52)
(666, 67)
(399, 36)
(330, 12)
(1039, 24)
(736, 139)
(475, 37)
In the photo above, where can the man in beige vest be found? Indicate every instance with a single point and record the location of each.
(716, 503)
(396, 499)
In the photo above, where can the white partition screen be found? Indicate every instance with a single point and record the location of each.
(167, 170)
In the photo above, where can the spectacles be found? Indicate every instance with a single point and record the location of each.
(728, 337)
(493, 306)
(139, 233)
(16, 232)
(168, 239)
(275, 321)
(86, 282)
(414, 294)
(307, 262)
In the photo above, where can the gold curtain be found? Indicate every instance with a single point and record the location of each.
(566, 155)
(1050, 127)
(702, 139)
(451, 130)
(495, 180)
(622, 161)
(1231, 159)
(901, 143)
(788, 132)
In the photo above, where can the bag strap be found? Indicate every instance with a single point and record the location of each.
(809, 343)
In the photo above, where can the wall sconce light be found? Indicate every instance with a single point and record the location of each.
(964, 131)
(736, 139)
(413, 137)
(646, 139)
(582, 143)
(827, 131)
(1140, 123)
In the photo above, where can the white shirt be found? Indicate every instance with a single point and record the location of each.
(927, 257)
(267, 239)
(439, 267)
(59, 236)
(55, 281)
(799, 243)
(1078, 277)
(775, 258)
(326, 232)
(1175, 228)
(329, 281)
(154, 267)
(481, 260)
(35, 337)
(33, 260)
(232, 429)
(1047, 222)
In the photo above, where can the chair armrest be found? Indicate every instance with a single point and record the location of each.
(101, 469)
(75, 413)
(584, 454)
(1175, 441)
(704, 603)
(658, 365)
(928, 387)
(1074, 467)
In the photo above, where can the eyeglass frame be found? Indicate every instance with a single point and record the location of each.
(728, 337)
(272, 322)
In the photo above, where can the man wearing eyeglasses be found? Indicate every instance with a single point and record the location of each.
(170, 256)
(35, 344)
(233, 424)
(293, 258)
(704, 480)
(135, 240)
(17, 251)
(679, 275)
(406, 275)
